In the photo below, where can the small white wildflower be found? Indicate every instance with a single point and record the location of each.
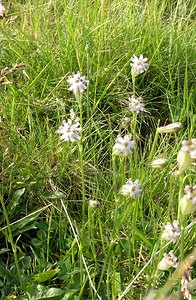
(158, 163)
(124, 145)
(69, 130)
(136, 104)
(190, 147)
(131, 188)
(2, 10)
(138, 65)
(187, 154)
(188, 202)
(169, 260)
(170, 128)
(171, 232)
(78, 85)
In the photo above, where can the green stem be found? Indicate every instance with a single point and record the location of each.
(152, 151)
(134, 126)
(181, 179)
(14, 249)
(180, 216)
(81, 162)
(114, 173)
(133, 81)
(134, 222)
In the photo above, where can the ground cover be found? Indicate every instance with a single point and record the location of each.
(94, 201)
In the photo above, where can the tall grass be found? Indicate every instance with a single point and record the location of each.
(53, 242)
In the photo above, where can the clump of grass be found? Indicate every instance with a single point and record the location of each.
(84, 220)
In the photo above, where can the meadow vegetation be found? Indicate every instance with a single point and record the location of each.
(93, 214)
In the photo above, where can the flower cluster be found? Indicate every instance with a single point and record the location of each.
(190, 148)
(69, 130)
(124, 145)
(169, 260)
(78, 85)
(171, 232)
(131, 188)
(138, 65)
(188, 202)
(136, 104)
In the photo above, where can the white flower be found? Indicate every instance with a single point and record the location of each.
(188, 202)
(136, 104)
(170, 128)
(2, 10)
(190, 148)
(131, 188)
(187, 154)
(78, 85)
(171, 232)
(158, 163)
(169, 260)
(138, 65)
(69, 130)
(124, 145)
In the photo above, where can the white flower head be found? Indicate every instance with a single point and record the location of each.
(170, 128)
(158, 163)
(78, 85)
(169, 260)
(171, 232)
(70, 128)
(188, 202)
(124, 145)
(190, 147)
(2, 10)
(136, 104)
(138, 65)
(131, 188)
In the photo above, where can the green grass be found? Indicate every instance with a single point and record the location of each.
(48, 228)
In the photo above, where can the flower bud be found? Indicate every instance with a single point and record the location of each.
(170, 128)
(94, 203)
(184, 160)
(158, 163)
(186, 206)
(188, 202)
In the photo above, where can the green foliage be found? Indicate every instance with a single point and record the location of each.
(40, 256)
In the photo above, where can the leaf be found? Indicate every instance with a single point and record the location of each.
(143, 237)
(4, 250)
(4, 273)
(53, 195)
(39, 292)
(21, 225)
(44, 276)
(53, 294)
(14, 202)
